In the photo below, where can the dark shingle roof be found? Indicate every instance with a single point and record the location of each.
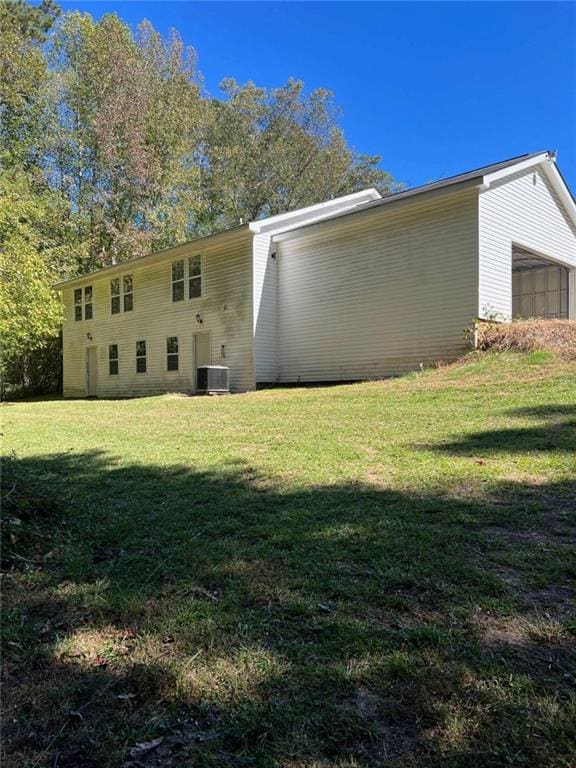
(476, 173)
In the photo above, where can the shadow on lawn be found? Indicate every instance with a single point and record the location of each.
(558, 434)
(251, 626)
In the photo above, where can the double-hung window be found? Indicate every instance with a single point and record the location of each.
(128, 293)
(78, 304)
(140, 357)
(88, 313)
(113, 359)
(115, 295)
(172, 353)
(83, 300)
(193, 276)
(126, 283)
(178, 280)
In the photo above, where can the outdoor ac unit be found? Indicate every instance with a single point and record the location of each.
(213, 379)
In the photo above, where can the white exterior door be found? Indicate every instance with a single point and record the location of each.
(91, 372)
(202, 353)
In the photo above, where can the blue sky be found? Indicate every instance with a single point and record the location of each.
(434, 88)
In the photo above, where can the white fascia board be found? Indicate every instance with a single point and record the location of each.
(560, 187)
(314, 212)
(547, 162)
(489, 178)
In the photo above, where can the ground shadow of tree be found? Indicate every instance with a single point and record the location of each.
(250, 624)
(556, 433)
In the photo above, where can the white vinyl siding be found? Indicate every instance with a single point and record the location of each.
(265, 309)
(524, 210)
(378, 293)
(224, 309)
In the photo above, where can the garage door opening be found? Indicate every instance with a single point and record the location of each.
(539, 287)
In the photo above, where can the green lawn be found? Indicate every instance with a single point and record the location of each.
(362, 575)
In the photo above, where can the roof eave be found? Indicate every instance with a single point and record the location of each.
(156, 256)
(392, 201)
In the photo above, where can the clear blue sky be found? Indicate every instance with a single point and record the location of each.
(434, 88)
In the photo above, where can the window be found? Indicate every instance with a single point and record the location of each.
(115, 295)
(88, 313)
(172, 353)
(113, 359)
(88, 303)
(78, 304)
(178, 280)
(128, 293)
(140, 357)
(194, 277)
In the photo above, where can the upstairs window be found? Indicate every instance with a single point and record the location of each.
(178, 280)
(83, 300)
(194, 276)
(113, 359)
(140, 357)
(172, 353)
(115, 295)
(88, 303)
(128, 293)
(78, 304)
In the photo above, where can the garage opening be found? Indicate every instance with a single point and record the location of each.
(539, 286)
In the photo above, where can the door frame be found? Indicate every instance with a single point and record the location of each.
(92, 349)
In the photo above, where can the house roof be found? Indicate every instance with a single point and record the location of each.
(358, 202)
(481, 177)
(272, 224)
(150, 258)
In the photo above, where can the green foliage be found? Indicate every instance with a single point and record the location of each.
(274, 150)
(30, 261)
(109, 149)
(23, 79)
(366, 576)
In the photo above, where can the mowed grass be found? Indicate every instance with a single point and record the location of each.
(361, 575)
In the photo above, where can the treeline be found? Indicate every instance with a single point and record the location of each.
(110, 148)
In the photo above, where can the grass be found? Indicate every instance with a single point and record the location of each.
(363, 575)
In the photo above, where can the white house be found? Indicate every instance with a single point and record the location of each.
(357, 287)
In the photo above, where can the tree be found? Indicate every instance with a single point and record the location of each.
(23, 76)
(109, 149)
(127, 110)
(30, 262)
(270, 151)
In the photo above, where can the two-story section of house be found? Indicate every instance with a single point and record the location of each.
(357, 287)
(145, 326)
(142, 327)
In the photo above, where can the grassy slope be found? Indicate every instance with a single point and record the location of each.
(375, 574)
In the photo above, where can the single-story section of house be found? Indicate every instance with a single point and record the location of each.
(357, 287)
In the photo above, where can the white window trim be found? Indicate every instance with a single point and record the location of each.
(173, 354)
(201, 276)
(116, 359)
(186, 278)
(128, 293)
(120, 295)
(82, 304)
(144, 357)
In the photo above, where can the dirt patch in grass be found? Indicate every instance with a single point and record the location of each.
(557, 336)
